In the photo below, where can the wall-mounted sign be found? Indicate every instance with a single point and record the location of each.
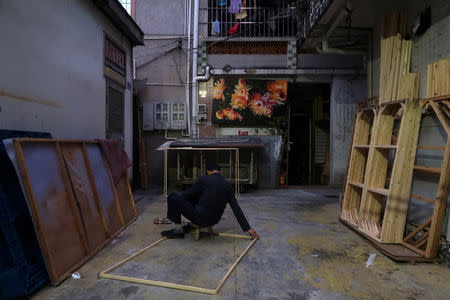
(237, 101)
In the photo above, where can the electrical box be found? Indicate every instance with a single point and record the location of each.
(161, 115)
(177, 116)
(147, 116)
(202, 113)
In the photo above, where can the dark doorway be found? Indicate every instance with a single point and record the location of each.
(309, 134)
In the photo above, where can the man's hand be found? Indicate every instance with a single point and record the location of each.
(253, 233)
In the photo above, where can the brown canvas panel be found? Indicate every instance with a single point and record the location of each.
(125, 199)
(58, 220)
(84, 194)
(105, 189)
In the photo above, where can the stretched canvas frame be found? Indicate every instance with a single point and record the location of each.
(107, 272)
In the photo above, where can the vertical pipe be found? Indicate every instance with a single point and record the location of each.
(165, 172)
(194, 72)
(188, 68)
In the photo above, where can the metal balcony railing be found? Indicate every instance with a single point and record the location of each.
(257, 19)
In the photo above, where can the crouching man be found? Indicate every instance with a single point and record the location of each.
(204, 203)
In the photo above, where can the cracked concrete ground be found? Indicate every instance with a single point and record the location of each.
(303, 253)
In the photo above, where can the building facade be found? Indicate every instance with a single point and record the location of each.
(68, 69)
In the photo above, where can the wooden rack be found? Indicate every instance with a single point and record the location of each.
(369, 191)
(366, 194)
(424, 240)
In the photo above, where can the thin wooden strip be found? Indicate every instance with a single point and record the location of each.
(422, 240)
(235, 235)
(417, 230)
(69, 191)
(431, 147)
(445, 109)
(436, 171)
(47, 140)
(94, 189)
(161, 283)
(411, 247)
(422, 198)
(35, 213)
(440, 117)
(234, 265)
(429, 81)
(119, 264)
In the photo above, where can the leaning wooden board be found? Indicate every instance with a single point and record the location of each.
(76, 207)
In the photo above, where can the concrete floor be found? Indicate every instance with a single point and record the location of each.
(303, 253)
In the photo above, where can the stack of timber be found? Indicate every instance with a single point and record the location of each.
(396, 83)
(438, 80)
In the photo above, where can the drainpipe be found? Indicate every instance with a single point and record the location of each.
(194, 72)
(188, 67)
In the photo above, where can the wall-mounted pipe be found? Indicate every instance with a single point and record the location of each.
(194, 123)
(188, 68)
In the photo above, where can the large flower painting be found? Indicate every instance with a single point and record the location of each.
(247, 102)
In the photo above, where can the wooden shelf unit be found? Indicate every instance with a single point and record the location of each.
(424, 240)
(364, 121)
(371, 169)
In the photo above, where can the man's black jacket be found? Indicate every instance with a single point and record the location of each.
(210, 194)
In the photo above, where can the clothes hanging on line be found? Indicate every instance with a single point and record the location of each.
(235, 6)
(216, 27)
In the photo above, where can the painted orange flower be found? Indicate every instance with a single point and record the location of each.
(278, 90)
(218, 89)
(239, 100)
(262, 105)
(228, 114)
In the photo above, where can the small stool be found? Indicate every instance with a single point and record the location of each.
(197, 231)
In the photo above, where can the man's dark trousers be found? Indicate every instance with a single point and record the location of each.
(177, 205)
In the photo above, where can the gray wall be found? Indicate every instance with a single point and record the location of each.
(52, 52)
(345, 93)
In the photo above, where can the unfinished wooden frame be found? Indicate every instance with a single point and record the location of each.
(107, 272)
(368, 168)
(424, 240)
(236, 168)
(84, 204)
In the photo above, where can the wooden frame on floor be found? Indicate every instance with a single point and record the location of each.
(106, 273)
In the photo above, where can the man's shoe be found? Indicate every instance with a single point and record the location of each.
(172, 234)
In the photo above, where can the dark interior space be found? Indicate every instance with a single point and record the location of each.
(309, 129)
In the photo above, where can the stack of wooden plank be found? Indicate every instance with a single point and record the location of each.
(438, 80)
(396, 83)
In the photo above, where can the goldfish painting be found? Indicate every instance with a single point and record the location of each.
(218, 89)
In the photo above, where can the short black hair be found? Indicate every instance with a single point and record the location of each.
(211, 166)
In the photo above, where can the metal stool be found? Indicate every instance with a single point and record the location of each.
(197, 231)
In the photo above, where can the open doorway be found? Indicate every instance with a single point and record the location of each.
(309, 134)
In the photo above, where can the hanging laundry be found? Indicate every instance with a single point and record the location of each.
(234, 29)
(235, 6)
(222, 2)
(216, 27)
(243, 14)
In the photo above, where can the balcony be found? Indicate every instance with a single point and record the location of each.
(258, 20)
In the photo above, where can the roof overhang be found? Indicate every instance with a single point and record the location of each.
(122, 20)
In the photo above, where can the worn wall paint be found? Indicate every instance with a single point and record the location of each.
(52, 52)
(345, 93)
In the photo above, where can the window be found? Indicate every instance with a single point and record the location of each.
(114, 56)
(127, 5)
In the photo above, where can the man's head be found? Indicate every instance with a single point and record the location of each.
(212, 168)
